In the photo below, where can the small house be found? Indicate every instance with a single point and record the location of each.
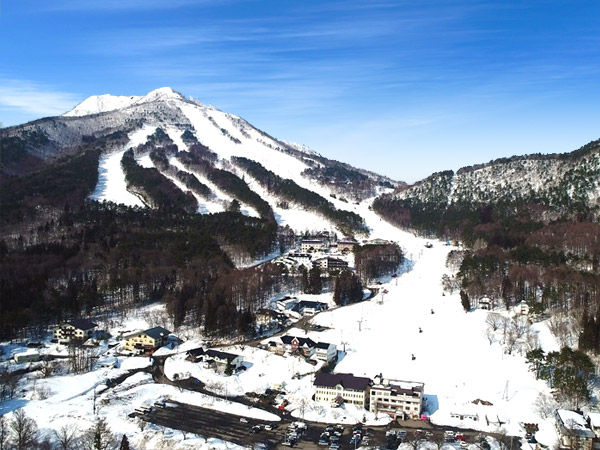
(25, 357)
(310, 308)
(216, 358)
(78, 330)
(329, 263)
(325, 351)
(573, 430)
(148, 340)
(346, 246)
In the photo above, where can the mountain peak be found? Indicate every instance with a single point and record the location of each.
(163, 93)
(102, 103)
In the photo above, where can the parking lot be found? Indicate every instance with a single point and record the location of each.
(251, 432)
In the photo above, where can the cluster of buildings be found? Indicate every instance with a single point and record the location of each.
(80, 331)
(305, 347)
(400, 399)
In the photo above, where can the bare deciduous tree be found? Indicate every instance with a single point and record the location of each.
(67, 437)
(490, 335)
(494, 321)
(3, 433)
(545, 405)
(24, 431)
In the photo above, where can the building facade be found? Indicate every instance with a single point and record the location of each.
(342, 387)
(573, 430)
(147, 340)
(400, 399)
(78, 330)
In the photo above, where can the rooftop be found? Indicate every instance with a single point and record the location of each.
(83, 324)
(347, 380)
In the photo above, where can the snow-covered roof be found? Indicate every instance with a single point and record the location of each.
(575, 422)
(82, 324)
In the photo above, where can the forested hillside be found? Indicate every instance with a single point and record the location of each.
(530, 229)
(63, 256)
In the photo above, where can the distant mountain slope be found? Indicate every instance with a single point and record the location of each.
(564, 184)
(571, 179)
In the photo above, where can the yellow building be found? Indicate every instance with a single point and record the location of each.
(147, 340)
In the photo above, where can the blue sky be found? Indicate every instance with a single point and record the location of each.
(403, 88)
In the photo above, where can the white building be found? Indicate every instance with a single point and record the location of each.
(399, 399)
(342, 387)
(78, 330)
(325, 351)
(312, 245)
(27, 356)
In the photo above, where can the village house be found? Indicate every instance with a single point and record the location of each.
(346, 246)
(342, 387)
(522, 308)
(312, 245)
(321, 351)
(310, 308)
(301, 259)
(573, 430)
(298, 345)
(267, 319)
(26, 356)
(78, 330)
(326, 352)
(329, 263)
(400, 399)
(215, 358)
(286, 303)
(148, 340)
(377, 241)
(465, 412)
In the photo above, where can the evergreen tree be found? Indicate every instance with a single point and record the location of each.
(124, 443)
(315, 283)
(535, 358)
(464, 299)
(229, 368)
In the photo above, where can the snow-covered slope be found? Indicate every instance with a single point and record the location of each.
(557, 180)
(101, 103)
(226, 135)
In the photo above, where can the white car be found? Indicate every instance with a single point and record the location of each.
(243, 420)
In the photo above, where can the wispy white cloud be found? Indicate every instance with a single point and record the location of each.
(29, 98)
(118, 5)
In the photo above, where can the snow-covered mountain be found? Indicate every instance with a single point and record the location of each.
(565, 180)
(101, 103)
(119, 123)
